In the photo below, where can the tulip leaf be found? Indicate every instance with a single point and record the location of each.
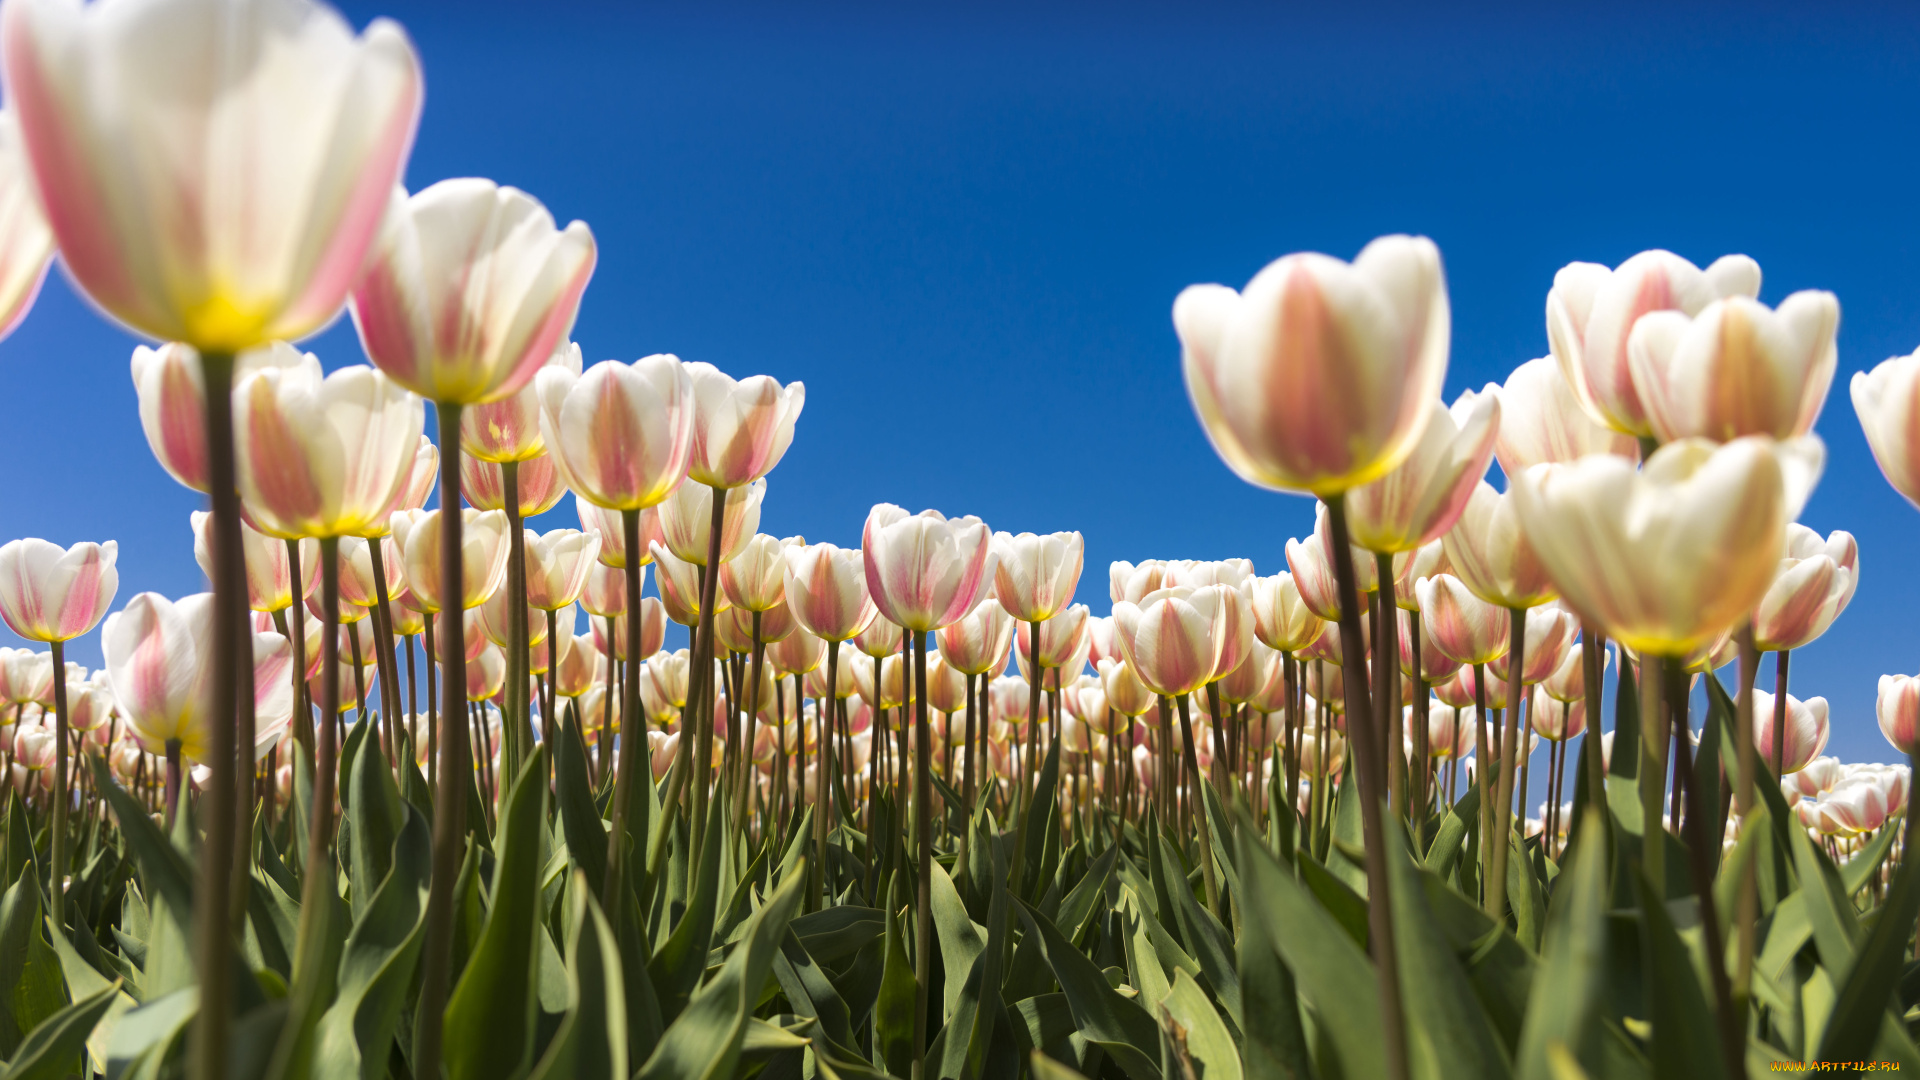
(1045, 1068)
(967, 1040)
(1836, 929)
(489, 1025)
(1859, 870)
(677, 967)
(592, 1037)
(704, 1042)
(1044, 1023)
(31, 984)
(1204, 1035)
(1861, 1009)
(376, 820)
(893, 1013)
(810, 991)
(1042, 824)
(52, 1049)
(580, 820)
(960, 942)
(1081, 906)
(1119, 1026)
(832, 934)
(1332, 974)
(1212, 949)
(1683, 1044)
(1275, 1045)
(1445, 1022)
(381, 952)
(1563, 1009)
(1348, 908)
(1452, 834)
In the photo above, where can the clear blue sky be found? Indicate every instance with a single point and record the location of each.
(963, 227)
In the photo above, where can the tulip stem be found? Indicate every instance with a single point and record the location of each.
(1483, 754)
(703, 672)
(751, 700)
(1379, 900)
(384, 670)
(1510, 750)
(1653, 852)
(923, 849)
(1205, 833)
(1746, 908)
(1034, 678)
(1593, 660)
(1386, 684)
(1781, 667)
(61, 795)
(822, 764)
(455, 762)
(1732, 1026)
(633, 734)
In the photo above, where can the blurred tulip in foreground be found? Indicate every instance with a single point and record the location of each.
(1425, 494)
(158, 660)
(1542, 422)
(1737, 368)
(1318, 377)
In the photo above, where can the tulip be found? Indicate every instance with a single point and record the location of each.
(1233, 573)
(537, 485)
(1494, 556)
(558, 564)
(54, 595)
(325, 457)
(1569, 681)
(1885, 399)
(269, 573)
(1409, 567)
(172, 396)
(1806, 730)
(800, 653)
(1281, 617)
(1059, 640)
(686, 521)
(605, 593)
(1897, 707)
(1813, 585)
(979, 641)
(1669, 558)
(1550, 632)
(1591, 313)
(158, 662)
(1737, 368)
(621, 433)
(1318, 376)
(26, 676)
(1543, 422)
(1130, 583)
(579, 661)
(1435, 665)
(26, 243)
(1034, 576)
(1462, 626)
(1421, 498)
(1555, 719)
(483, 549)
(923, 570)
(741, 429)
(679, 587)
(755, 578)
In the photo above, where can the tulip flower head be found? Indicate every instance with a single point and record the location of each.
(1490, 552)
(621, 433)
(537, 483)
(49, 594)
(1174, 638)
(741, 429)
(680, 587)
(1281, 617)
(1666, 559)
(470, 289)
(1737, 368)
(159, 658)
(1318, 377)
(1035, 576)
(613, 542)
(557, 566)
(1886, 400)
(1898, 709)
(483, 555)
(1591, 313)
(509, 429)
(269, 574)
(1542, 422)
(1460, 624)
(1425, 494)
(924, 570)
(223, 191)
(686, 520)
(1550, 631)
(323, 457)
(1815, 582)
(1806, 730)
(172, 396)
(1129, 582)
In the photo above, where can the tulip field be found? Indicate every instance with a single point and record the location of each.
(1475, 779)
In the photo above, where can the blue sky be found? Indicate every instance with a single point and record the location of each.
(963, 226)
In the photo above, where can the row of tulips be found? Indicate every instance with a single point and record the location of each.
(1222, 830)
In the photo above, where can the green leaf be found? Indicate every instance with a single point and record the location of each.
(893, 1013)
(1212, 949)
(1348, 908)
(1333, 975)
(383, 948)
(1862, 1008)
(1446, 847)
(1564, 1007)
(1119, 1026)
(810, 991)
(1836, 929)
(1205, 1036)
(1045, 1068)
(831, 934)
(376, 818)
(1078, 909)
(592, 1038)
(677, 967)
(1445, 1023)
(704, 1042)
(1275, 1046)
(31, 984)
(52, 1048)
(580, 820)
(967, 1038)
(1042, 829)
(960, 943)
(1858, 870)
(1683, 1024)
(489, 1026)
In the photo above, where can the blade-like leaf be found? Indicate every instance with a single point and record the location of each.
(1119, 1026)
(52, 1048)
(592, 1038)
(1565, 1002)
